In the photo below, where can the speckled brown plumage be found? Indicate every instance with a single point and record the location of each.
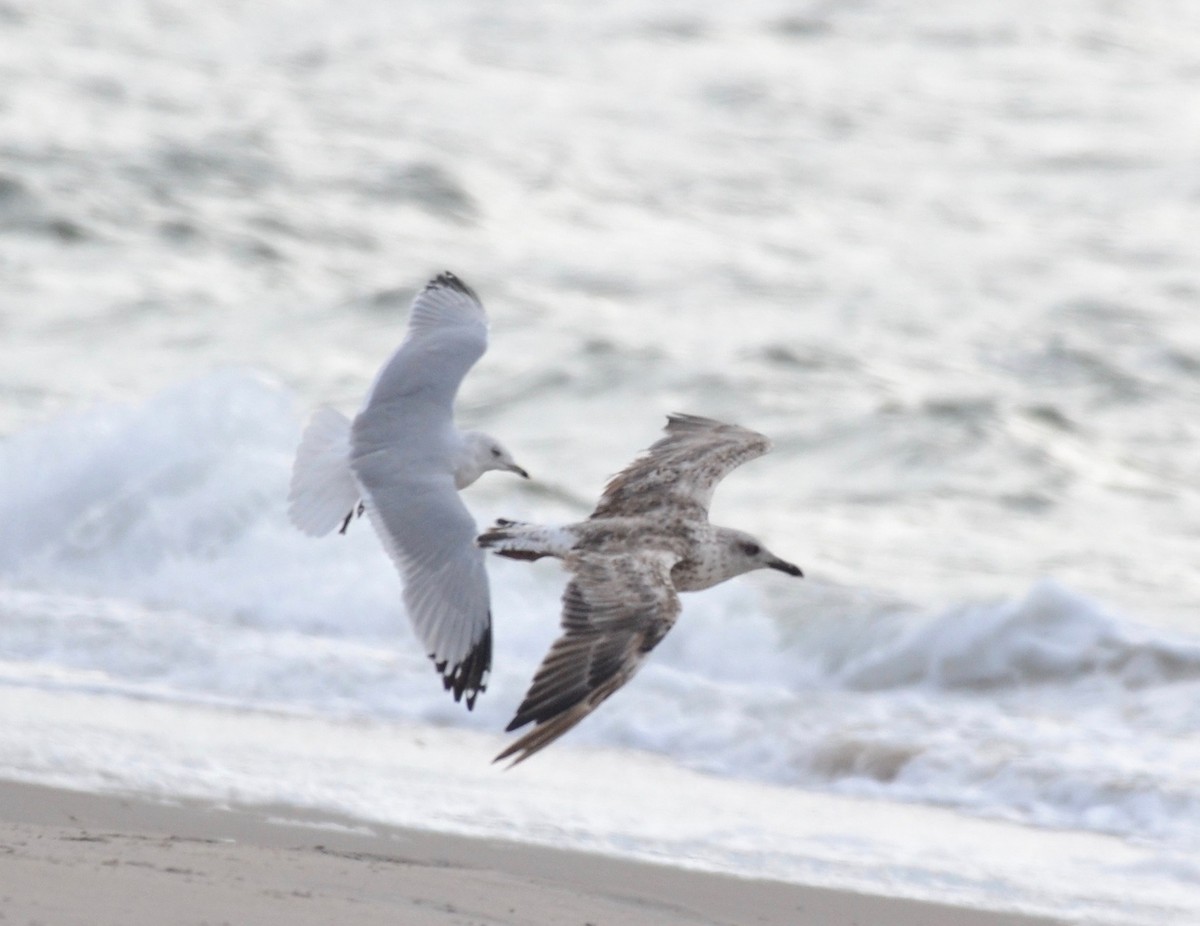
(648, 539)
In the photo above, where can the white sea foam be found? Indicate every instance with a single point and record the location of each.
(1050, 636)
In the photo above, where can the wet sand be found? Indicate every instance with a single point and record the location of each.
(69, 857)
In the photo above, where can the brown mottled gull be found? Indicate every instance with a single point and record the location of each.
(648, 539)
(402, 460)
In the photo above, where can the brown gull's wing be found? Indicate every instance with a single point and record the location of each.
(615, 611)
(681, 470)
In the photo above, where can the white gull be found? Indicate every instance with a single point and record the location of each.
(402, 460)
(648, 539)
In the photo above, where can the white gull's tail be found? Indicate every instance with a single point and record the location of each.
(324, 491)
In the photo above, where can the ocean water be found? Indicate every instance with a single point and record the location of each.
(943, 254)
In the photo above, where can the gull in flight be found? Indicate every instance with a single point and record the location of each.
(648, 539)
(402, 461)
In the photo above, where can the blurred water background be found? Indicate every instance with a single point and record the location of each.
(944, 254)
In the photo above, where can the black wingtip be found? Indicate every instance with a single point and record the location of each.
(448, 280)
(468, 679)
(684, 421)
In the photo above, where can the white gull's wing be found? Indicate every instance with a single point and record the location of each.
(681, 470)
(615, 611)
(447, 333)
(403, 443)
(429, 534)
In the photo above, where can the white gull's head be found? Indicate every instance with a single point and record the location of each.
(481, 452)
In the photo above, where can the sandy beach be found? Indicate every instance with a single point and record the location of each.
(68, 857)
